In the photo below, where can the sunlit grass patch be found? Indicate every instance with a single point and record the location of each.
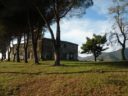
(73, 78)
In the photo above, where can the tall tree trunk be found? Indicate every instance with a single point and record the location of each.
(26, 48)
(58, 42)
(57, 56)
(34, 44)
(95, 58)
(13, 51)
(35, 53)
(18, 49)
(26, 55)
(26, 40)
(42, 57)
(14, 57)
(9, 51)
(123, 53)
(41, 51)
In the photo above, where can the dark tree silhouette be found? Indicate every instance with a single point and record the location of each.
(20, 12)
(41, 13)
(4, 42)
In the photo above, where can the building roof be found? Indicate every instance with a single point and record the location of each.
(62, 41)
(51, 40)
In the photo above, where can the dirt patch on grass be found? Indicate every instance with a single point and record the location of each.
(60, 85)
(105, 90)
(51, 86)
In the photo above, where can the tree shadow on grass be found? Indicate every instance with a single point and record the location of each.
(118, 64)
(121, 64)
(57, 73)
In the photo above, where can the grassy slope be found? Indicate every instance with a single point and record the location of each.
(71, 79)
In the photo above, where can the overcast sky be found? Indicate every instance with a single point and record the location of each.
(96, 20)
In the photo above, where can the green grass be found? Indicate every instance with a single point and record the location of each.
(74, 78)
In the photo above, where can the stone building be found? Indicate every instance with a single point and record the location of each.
(69, 51)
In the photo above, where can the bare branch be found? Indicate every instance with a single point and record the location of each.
(118, 39)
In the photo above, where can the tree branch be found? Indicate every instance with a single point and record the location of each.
(120, 24)
(48, 25)
(69, 8)
(118, 39)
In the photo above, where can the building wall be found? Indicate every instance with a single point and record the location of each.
(69, 51)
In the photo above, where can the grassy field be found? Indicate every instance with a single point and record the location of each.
(71, 79)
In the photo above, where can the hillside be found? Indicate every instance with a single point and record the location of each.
(110, 56)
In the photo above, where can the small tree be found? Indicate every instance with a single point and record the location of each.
(94, 45)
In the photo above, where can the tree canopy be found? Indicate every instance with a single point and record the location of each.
(34, 15)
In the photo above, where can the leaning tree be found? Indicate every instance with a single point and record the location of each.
(54, 11)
